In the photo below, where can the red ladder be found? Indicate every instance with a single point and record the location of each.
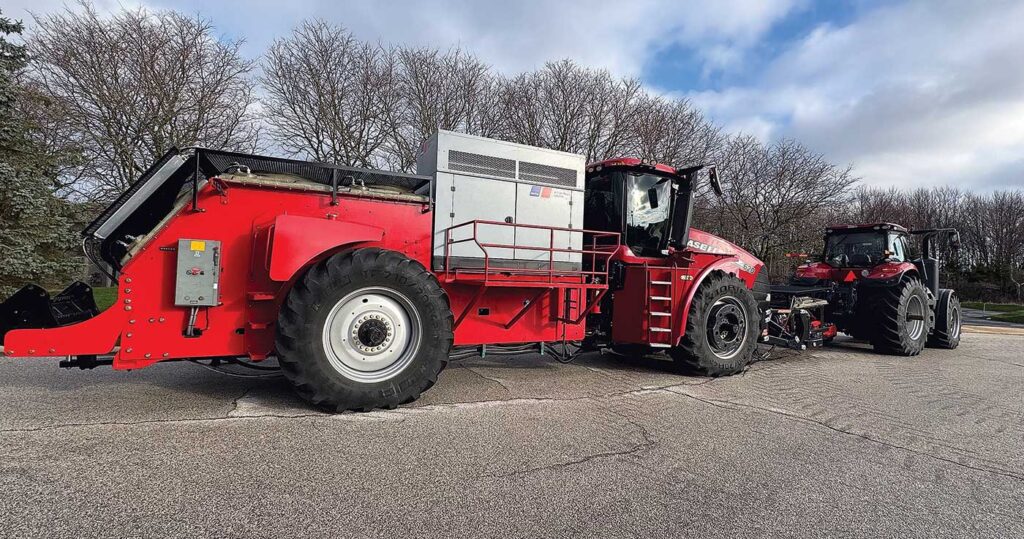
(660, 306)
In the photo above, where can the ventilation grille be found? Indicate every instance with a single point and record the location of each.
(534, 172)
(481, 164)
(487, 165)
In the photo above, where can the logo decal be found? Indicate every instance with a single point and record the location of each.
(539, 191)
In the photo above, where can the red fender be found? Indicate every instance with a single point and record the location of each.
(296, 241)
(725, 265)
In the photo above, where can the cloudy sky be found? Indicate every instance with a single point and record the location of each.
(909, 92)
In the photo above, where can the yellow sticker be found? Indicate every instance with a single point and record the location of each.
(198, 245)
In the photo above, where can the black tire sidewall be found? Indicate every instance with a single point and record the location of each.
(947, 304)
(305, 360)
(695, 351)
(892, 334)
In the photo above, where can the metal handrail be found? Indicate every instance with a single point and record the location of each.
(487, 271)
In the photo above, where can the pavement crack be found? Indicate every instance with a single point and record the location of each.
(490, 379)
(236, 401)
(645, 444)
(781, 413)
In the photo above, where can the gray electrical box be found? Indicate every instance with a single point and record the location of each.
(476, 178)
(198, 271)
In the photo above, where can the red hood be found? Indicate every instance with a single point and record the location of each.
(701, 242)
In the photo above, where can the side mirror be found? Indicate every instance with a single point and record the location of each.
(716, 186)
(652, 197)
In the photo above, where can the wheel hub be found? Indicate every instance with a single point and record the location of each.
(915, 318)
(727, 322)
(371, 334)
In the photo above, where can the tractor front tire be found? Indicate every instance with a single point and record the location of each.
(722, 328)
(947, 321)
(364, 329)
(902, 318)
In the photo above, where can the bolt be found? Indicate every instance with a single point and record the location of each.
(52, 350)
(129, 350)
(129, 335)
(132, 321)
(161, 320)
(127, 300)
(127, 290)
(128, 307)
(31, 351)
(128, 280)
(148, 355)
(166, 354)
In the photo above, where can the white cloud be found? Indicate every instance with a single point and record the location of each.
(921, 93)
(914, 93)
(515, 36)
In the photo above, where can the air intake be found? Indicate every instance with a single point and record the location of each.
(537, 173)
(481, 164)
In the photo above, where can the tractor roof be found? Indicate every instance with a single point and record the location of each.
(839, 229)
(631, 162)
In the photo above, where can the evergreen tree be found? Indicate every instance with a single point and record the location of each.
(36, 244)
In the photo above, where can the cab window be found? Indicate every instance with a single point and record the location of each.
(898, 247)
(648, 205)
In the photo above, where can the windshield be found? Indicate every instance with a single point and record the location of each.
(648, 200)
(855, 250)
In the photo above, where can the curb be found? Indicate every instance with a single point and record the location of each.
(993, 330)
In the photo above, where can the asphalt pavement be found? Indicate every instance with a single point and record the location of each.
(837, 442)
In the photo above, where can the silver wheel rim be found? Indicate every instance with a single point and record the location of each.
(915, 317)
(372, 334)
(954, 330)
(726, 327)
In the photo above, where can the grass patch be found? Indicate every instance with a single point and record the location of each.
(104, 296)
(994, 307)
(1016, 318)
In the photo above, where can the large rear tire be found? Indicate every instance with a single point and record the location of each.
(722, 328)
(947, 321)
(362, 330)
(902, 317)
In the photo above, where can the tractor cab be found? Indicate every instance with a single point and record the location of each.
(865, 246)
(649, 204)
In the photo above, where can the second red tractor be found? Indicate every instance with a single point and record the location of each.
(868, 284)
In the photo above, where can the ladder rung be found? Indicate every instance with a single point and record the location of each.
(662, 330)
(653, 313)
(661, 298)
(660, 345)
(661, 282)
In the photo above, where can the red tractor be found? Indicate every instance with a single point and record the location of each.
(868, 285)
(365, 283)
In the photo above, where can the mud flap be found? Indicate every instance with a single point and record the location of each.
(33, 308)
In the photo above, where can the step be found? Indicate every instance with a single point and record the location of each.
(661, 330)
(656, 313)
(661, 298)
(661, 282)
(659, 345)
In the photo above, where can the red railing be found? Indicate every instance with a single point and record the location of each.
(602, 245)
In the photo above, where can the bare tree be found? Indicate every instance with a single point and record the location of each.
(437, 90)
(329, 96)
(776, 197)
(672, 131)
(129, 87)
